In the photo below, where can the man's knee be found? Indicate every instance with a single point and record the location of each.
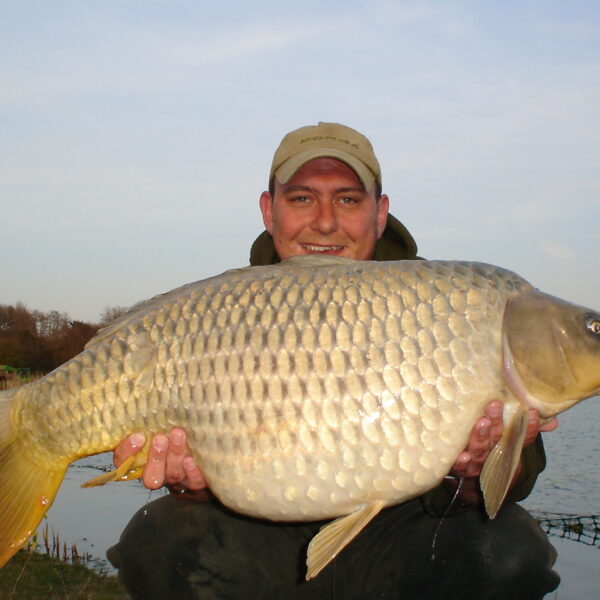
(515, 556)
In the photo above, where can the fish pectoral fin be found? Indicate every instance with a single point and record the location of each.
(333, 538)
(131, 468)
(502, 462)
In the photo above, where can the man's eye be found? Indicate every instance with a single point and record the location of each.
(348, 200)
(299, 199)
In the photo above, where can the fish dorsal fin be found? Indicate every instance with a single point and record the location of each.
(333, 538)
(317, 260)
(134, 313)
(502, 462)
(160, 301)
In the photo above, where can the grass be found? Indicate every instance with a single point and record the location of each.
(9, 381)
(35, 576)
(51, 570)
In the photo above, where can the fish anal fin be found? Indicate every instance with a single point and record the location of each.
(333, 538)
(502, 462)
(131, 468)
(27, 490)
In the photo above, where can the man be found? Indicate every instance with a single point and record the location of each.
(325, 198)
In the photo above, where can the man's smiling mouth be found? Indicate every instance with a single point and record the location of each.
(318, 249)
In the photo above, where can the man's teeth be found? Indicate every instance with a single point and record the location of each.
(312, 248)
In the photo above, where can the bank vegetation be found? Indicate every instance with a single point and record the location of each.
(33, 342)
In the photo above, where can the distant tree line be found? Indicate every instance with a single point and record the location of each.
(41, 341)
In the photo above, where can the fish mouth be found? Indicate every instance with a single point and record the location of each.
(322, 249)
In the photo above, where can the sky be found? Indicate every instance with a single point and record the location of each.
(137, 136)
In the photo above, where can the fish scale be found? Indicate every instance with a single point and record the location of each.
(308, 389)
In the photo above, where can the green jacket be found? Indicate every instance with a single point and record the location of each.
(397, 243)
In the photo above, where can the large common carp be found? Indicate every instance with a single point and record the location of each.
(320, 387)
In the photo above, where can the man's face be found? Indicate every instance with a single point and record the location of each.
(323, 209)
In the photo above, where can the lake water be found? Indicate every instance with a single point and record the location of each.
(93, 518)
(571, 485)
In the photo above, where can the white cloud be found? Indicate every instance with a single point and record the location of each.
(558, 251)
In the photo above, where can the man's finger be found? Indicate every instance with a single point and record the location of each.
(479, 443)
(154, 471)
(176, 452)
(494, 412)
(128, 447)
(533, 426)
(461, 465)
(193, 476)
(551, 425)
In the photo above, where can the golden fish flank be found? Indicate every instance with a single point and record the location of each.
(317, 388)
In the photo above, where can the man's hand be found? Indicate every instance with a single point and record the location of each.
(169, 462)
(484, 436)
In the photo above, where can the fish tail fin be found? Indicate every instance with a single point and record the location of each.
(27, 488)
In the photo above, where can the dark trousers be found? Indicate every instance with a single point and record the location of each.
(173, 548)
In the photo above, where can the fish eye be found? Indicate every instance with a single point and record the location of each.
(593, 323)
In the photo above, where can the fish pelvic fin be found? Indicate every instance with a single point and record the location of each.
(27, 488)
(333, 538)
(502, 462)
(131, 468)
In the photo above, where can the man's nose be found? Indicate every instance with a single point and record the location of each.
(325, 218)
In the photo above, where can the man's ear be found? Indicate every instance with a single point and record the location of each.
(266, 208)
(383, 206)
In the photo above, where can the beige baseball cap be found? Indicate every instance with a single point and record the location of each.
(326, 140)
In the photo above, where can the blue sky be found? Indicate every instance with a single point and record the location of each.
(136, 137)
